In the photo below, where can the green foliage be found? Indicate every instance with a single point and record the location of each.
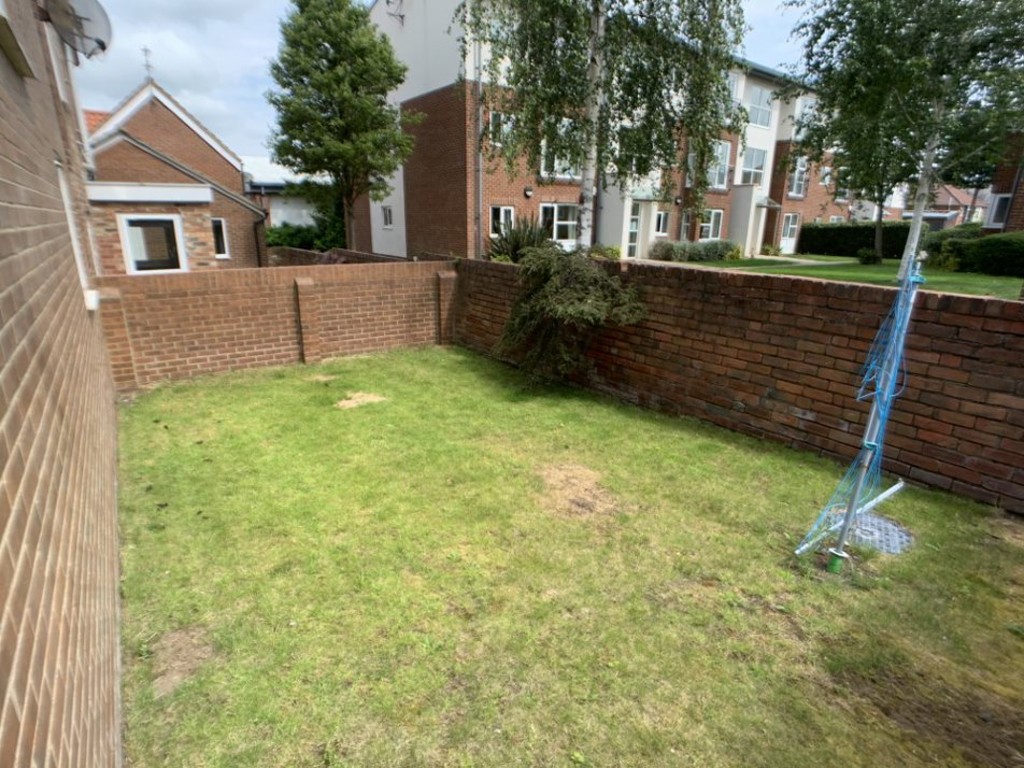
(904, 87)
(525, 233)
(868, 256)
(770, 250)
(999, 255)
(847, 238)
(940, 255)
(563, 299)
(333, 73)
(621, 85)
(293, 236)
(662, 250)
(604, 252)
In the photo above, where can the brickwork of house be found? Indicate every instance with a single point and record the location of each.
(157, 126)
(780, 358)
(1009, 180)
(177, 326)
(195, 221)
(59, 654)
(163, 131)
(817, 204)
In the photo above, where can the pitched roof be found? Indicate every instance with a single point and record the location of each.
(94, 118)
(148, 91)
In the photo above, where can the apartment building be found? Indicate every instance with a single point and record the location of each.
(1006, 204)
(449, 198)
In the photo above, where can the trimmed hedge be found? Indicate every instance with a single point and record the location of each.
(705, 250)
(998, 255)
(847, 238)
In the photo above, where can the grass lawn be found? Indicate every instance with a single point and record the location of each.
(475, 571)
(851, 271)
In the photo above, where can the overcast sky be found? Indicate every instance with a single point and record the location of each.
(213, 56)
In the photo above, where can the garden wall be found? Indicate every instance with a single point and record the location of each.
(175, 326)
(780, 358)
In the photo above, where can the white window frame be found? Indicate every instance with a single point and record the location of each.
(825, 175)
(836, 219)
(790, 220)
(797, 181)
(993, 211)
(661, 224)
(560, 168)
(718, 172)
(752, 174)
(712, 223)
(224, 234)
(387, 217)
(505, 221)
(123, 222)
(842, 193)
(759, 110)
(560, 218)
(498, 126)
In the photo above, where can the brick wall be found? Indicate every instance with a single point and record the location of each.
(175, 326)
(780, 357)
(59, 687)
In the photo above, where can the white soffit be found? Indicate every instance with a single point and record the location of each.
(110, 192)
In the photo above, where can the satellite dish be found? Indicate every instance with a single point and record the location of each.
(82, 24)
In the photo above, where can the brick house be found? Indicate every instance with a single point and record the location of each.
(166, 194)
(59, 567)
(1006, 205)
(449, 199)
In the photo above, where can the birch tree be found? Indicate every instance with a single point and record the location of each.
(609, 87)
(916, 73)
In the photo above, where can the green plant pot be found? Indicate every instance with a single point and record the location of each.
(835, 561)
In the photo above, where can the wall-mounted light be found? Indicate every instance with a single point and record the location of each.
(528, 192)
(678, 201)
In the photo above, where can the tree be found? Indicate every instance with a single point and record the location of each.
(333, 74)
(607, 86)
(897, 80)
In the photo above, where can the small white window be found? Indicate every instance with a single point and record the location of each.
(842, 192)
(387, 216)
(500, 127)
(503, 218)
(798, 178)
(220, 238)
(753, 165)
(825, 176)
(152, 243)
(790, 222)
(760, 108)
(711, 225)
(661, 224)
(557, 167)
(998, 211)
(718, 174)
(561, 222)
(836, 219)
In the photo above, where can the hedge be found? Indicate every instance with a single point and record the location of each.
(849, 237)
(999, 255)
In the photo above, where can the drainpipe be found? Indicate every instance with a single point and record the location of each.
(479, 202)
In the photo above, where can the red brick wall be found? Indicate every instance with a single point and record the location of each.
(127, 163)
(59, 686)
(816, 204)
(780, 358)
(176, 326)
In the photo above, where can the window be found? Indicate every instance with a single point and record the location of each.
(560, 221)
(753, 165)
(798, 178)
(836, 219)
(790, 223)
(718, 172)
(805, 115)
(842, 192)
(220, 238)
(825, 176)
(503, 218)
(661, 224)
(387, 217)
(500, 126)
(760, 108)
(633, 239)
(711, 225)
(556, 166)
(732, 82)
(152, 243)
(998, 211)
(10, 46)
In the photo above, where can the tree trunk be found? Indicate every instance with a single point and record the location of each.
(879, 213)
(349, 218)
(595, 95)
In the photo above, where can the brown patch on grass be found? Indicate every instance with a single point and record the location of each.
(1009, 529)
(176, 657)
(321, 378)
(360, 398)
(572, 490)
(983, 726)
